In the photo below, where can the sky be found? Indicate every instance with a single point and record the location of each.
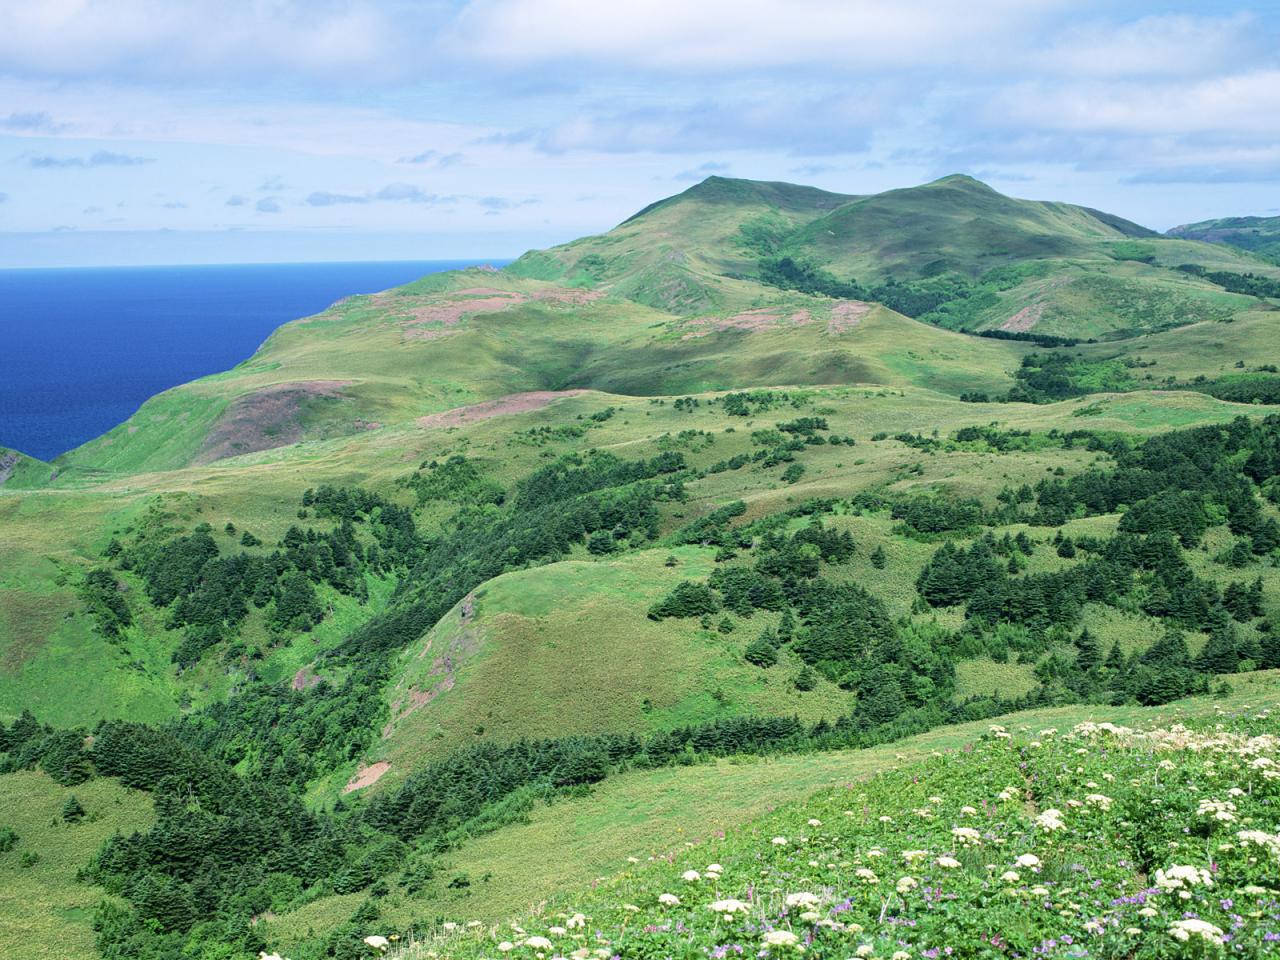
(186, 131)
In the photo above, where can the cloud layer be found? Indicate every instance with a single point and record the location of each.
(453, 114)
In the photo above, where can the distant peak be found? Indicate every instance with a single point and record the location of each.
(961, 179)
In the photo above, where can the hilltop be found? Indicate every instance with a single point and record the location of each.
(1259, 235)
(746, 491)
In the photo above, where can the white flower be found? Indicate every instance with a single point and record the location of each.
(967, 835)
(815, 822)
(906, 884)
(781, 938)
(576, 922)
(947, 863)
(729, 906)
(1102, 801)
(1184, 930)
(691, 876)
(802, 900)
(668, 900)
(1050, 820)
(865, 875)
(865, 950)
(1027, 860)
(1223, 811)
(538, 943)
(506, 946)
(779, 841)
(968, 811)
(557, 931)
(377, 942)
(914, 856)
(1010, 876)
(715, 868)
(1181, 877)
(901, 955)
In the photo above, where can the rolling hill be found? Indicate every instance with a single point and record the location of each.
(761, 488)
(1259, 235)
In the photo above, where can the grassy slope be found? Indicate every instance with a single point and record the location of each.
(569, 846)
(51, 535)
(45, 913)
(1260, 235)
(538, 639)
(955, 224)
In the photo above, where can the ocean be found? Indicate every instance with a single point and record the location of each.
(81, 349)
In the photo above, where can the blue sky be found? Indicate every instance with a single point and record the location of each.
(149, 131)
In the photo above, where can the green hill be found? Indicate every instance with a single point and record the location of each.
(953, 225)
(420, 611)
(1259, 235)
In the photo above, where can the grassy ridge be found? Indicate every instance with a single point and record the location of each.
(564, 851)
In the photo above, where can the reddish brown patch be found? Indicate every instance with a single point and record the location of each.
(511, 403)
(264, 419)
(436, 316)
(304, 679)
(762, 318)
(367, 776)
(846, 315)
(1024, 319)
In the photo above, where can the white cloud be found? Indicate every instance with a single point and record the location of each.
(194, 39)
(717, 35)
(1170, 46)
(1240, 103)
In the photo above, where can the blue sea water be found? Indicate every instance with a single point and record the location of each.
(81, 349)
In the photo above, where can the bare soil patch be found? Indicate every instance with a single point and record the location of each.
(435, 317)
(265, 419)
(761, 318)
(846, 315)
(1024, 319)
(511, 403)
(305, 679)
(367, 776)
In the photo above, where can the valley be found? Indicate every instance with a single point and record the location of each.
(454, 597)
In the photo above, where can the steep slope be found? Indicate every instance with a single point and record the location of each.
(954, 252)
(1259, 235)
(19, 470)
(677, 253)
(953, 225)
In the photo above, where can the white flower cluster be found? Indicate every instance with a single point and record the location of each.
(1181, 878)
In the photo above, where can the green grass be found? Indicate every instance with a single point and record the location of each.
(567, 848)
(576, 633)
(45, 912)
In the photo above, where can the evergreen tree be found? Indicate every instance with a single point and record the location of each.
(1088, 656)
(878, 558)
(763, 651)
(72, 811)
(1221, 653)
